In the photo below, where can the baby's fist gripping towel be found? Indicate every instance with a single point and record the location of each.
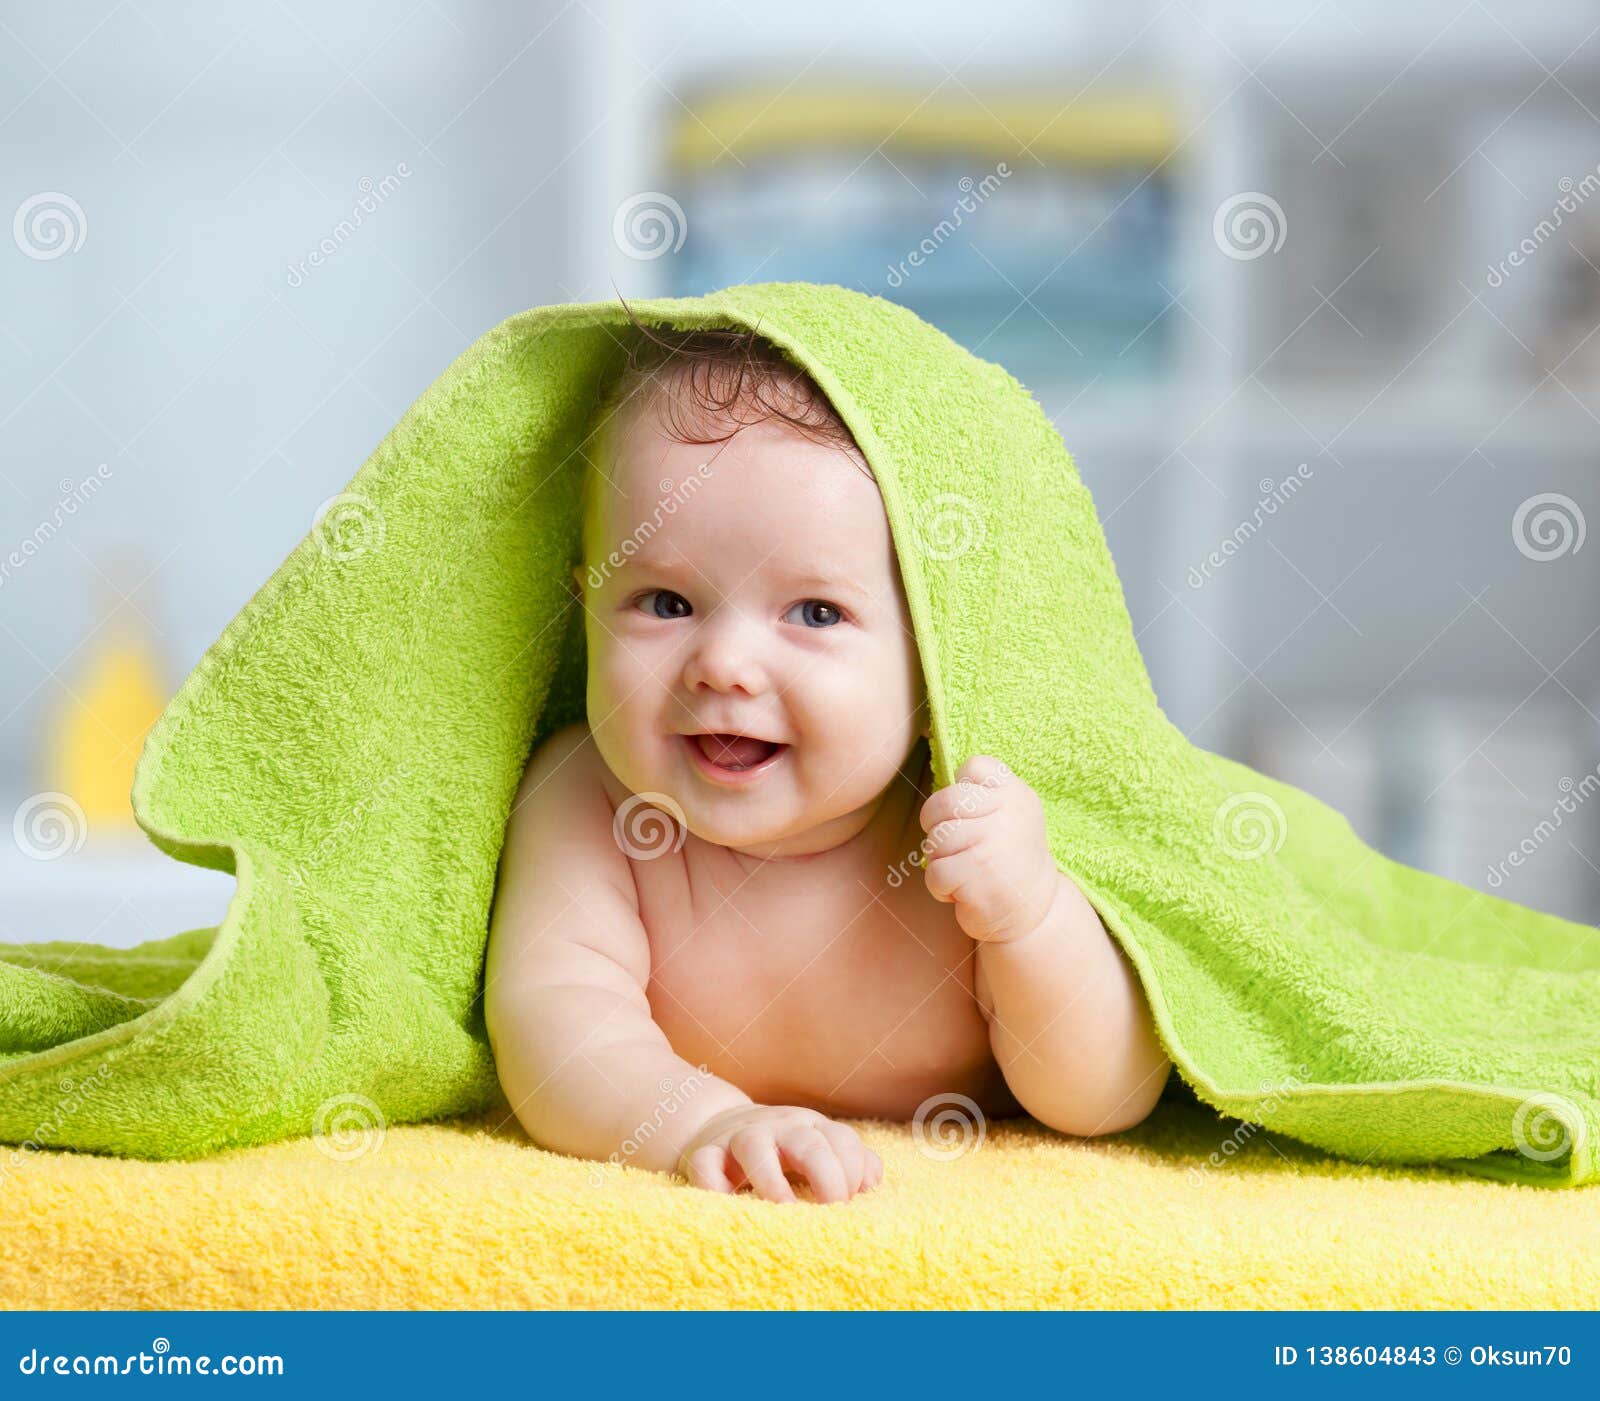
(349, 749)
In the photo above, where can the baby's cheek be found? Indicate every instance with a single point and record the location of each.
(865, 720)
(615, 670)
(886, 695)
(628, 697)
(604, 676)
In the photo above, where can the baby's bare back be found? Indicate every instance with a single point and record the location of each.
(815, 981)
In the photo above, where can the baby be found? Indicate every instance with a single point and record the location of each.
(704, 954)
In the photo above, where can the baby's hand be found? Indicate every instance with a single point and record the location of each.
(988, 852)
(756, 1144)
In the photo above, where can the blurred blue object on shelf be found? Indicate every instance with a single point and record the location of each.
(1037, 232)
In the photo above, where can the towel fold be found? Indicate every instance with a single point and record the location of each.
(349, 748)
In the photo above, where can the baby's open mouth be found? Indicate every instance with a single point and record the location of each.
(735, 753)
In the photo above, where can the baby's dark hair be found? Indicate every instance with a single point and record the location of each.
(727, 380)
(707, 385)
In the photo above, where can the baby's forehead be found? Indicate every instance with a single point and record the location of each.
(768, 501)
(764, 455)
(762, 560)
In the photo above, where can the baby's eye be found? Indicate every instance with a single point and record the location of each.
(658, 600)
(818, 614)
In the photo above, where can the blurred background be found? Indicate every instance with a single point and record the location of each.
(1311, 291)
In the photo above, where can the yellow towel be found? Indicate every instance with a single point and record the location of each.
(469, 1214)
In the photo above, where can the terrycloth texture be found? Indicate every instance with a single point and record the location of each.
(351, 744)
(463, 1215)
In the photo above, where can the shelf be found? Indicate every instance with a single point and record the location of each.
(1435, 420)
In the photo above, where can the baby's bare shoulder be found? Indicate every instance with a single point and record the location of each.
(562, 814)
(569, 758)
(565, 890)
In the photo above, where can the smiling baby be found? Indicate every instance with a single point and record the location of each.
(703, 954)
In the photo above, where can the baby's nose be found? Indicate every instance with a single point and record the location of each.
(724, 660)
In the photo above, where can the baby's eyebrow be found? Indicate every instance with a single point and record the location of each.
(654, 565)
(797, 578)
(808, 578)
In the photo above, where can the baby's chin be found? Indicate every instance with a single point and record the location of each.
(733, 833)
(754, 807)
(754, 837)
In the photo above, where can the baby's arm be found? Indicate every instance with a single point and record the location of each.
(1069, 1024)
(1068, 1021)
(579, 1055)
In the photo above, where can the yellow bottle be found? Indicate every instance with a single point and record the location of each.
(117, 692)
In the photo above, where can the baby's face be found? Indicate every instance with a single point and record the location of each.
(758, 596)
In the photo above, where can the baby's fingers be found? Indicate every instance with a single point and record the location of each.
(872, 1170)
(807, 1152)
(757, 1154)
(850, 1151)
(708, 1168)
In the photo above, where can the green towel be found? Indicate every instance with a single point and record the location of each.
(349, 749)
